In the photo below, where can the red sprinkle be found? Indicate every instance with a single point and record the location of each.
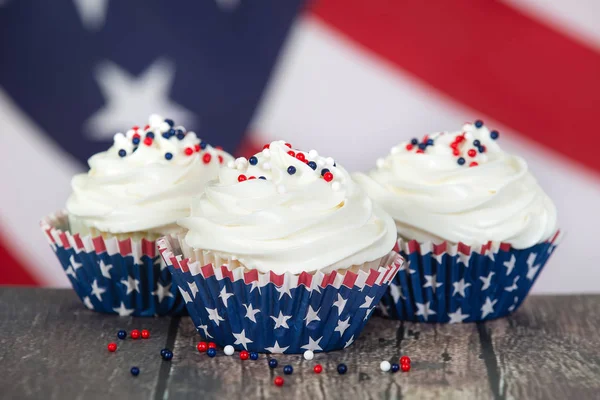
(409, 147)
(456, 152)
(112, 347)
(244, 355)
(242, 178)
(188, 151)
(318, 369)
(197, 147)
(136, 136)
(147, 127)
(278, 381)
(202, 347)
(291, 153)
(135, 128)
(206, 158)
(145, 334)
(135, 334)
(405, 367)
(220, 159)
(473, 164)
(252, 177)
(404, 360)
(472, 153)
(266, 146)
(148, 141)
(420, 151)
(328, 176)
(212, 345)
(288, 145)
(301, 157)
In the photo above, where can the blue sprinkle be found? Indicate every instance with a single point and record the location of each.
(342, 369)
(324, 171)
(395, 367)
(334, 164)
(414, 141)
(211, 352)
(291, 170)
(172, 132)
(478, 123)
(170, 122)
(178, 131)
(312, 164)
(288, 370)
(272, 363)
(135, 371)
(460, 161)
(262, 177)
(429, 142)
(253, 355)
(150, 135)
(122, 334)
(481, 149)
(166, 135)
(476, 143)
(168, 156)
(163, 352)
(180, 136)
(134, 149)
(253, 160)
(202, 145)
(422, 146)
(135, 140)
(168, 355)
(494, 135)
(122, 153)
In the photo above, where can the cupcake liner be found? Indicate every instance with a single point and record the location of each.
(457, 283)
(267, 312)
(125, 277)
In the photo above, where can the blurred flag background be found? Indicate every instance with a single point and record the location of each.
(349, 78)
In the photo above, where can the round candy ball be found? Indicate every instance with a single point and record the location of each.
(278, 381)
(229, 350)
(253, 355)
(163, 352)
(145, 334)
(395, 367)
(342, 369)
(121, 334)
(211, 352)
(135, 334)
(309, 355)
(168, 355)
(135, 371)
(288, 370)
(202, 347)
(112, 347)
(272, 363)
(385, 366)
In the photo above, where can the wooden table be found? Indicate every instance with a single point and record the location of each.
(51, 347)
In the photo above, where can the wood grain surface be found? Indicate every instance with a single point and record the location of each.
(51, 347)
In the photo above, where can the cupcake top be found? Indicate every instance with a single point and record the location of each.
(285, 210)
(461, 187)
(144, 181)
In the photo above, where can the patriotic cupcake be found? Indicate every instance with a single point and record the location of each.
(283, 253)
(133, 193)
(473, 224)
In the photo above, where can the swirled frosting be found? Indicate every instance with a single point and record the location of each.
(461, 187)
(145, 180)
(284, 210)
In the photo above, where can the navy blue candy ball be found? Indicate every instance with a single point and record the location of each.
(273, 363)
(135, 371)
(395, 367)
(211, 352)
(254, 356)
(121, 334)
(342, 369)
(288, 370)
(168, 355)
(478, 123)
(253, 160)
(291, 170)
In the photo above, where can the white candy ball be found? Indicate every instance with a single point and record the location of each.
(231, 164)
(312, 154)
(394, 150)
(380, 162)
(229, 350)
(119, 137)
(164, 126)
(266, 153)
(309, 355)
(329, 161)
(385, 366)
(320, 162)
(155, 120)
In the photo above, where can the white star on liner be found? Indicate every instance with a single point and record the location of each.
(69, 271)
(457, 316)
(424, 310)
(283, 290)
(193, 288)
(185, 295)
(486, 280)
(368, 302)
(512, 307)
(312, 345)
(97, 291)
(531, 269)
(349, 342)
(369, 311)
(240, 338)
(130, 99)
(281, 321)
(251, 312)
(396, 292)
(255, 285)
(105, 268)
(76, 265)
(460, 286)
(88, 303)
(438, 257)
(510, 264)
(488, 307)
(276, 348)
(312, 315)
(132, 284)
(514, 286)
(490, 254)
(464, 258)
(431, 282)
(213, 315)
(225, 295)
(123, 311)
(342, 326)
(162, 291)
(340, 303)
(92, 13)
(205, 329)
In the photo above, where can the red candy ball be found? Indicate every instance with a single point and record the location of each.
(318, 369)
(328, 176)
(291, 153)
(252, 177)
(405, 367)
(136, 136)
(202, 347)
(145, 334)
(212, 345)
(220, 159)
(188, 151)
(301, 157)
(473, 164)
(266, 146)
(404, 360)
(288, 145)
(135, 128)
(197, 147)
(472, 153)
(112, 347)
(206, 158)
(148, 141)
(244, 355)
(242, 178)
(278, 381)
(409, 147)
(135, 334)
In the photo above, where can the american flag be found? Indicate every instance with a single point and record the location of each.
(348, 78)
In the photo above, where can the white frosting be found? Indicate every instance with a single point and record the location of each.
(143, 191)
(289, 222)
(432, 197)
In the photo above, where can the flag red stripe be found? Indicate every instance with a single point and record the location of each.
(12, 272)
(490, 57)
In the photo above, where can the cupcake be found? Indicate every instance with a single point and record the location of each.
(132, 194)
(283, 253)
(473, 224)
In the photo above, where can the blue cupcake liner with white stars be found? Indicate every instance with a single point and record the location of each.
(124, 277)
(267, 312)
(446, 283)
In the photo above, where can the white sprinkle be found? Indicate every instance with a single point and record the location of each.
(380, 162)
(164, 127)
(266, 166)
(229, 350)
(241, 160)
(312, 154)
(231, 164)
(266, 153)
(394, 150)
(320, 162)
(309, 355)
(155, 120)
(281, 189)
(336, 186)
(329, 161)
(118, 137)
(385, 366)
